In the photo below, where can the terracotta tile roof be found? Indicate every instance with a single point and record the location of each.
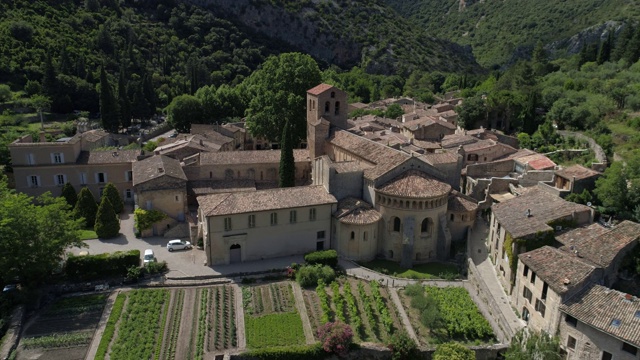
(598, 306)
(203, 187)
(461, 203)
(93, 135)
(445, 157)
(264, 200)
(250, 157)
(511, 214)
(156, 166)
(415, 184)
(537, 161)
(319, 89)
(383, 158)
(425, 122)
(356, 211)
(602, 248)
(559, 269)
(571, 236)
(455, 140)
(427, 145)
(578, 171)
(108, 157)
(348, 166)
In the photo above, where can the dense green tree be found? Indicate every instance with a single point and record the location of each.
(104, 41)
(5, 93)
(533, 345)
(149, 95)
(394, 111)
(69, 194)
(86, 208)
(123, 100)
(287, 161)
(92, 5)
(611, 188)
(109, 109)
(183, 111)
(34, 235)
(49, 78)
(540, 60)
(107, 224)
(402, 346)
(453, 351)
(111, 192)
(472, 111)
(279, 92)
(604, 52)
(622, 41)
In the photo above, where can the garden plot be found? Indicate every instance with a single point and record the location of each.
(271, 318)
(185, 323)
(365, 306)
(64, 330)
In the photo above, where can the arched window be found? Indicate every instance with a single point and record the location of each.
(333, 94)
(452, 217)
(364, 236)
(396, 224)
(337, 110)
(390, 254)
(425, 227)
(353, 235)
(309, 104)
(326, 107)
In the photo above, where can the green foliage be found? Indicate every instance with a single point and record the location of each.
(90, 267)
(69, 194)
(134, 273)
(611, 188)
(110, 328)
(5, 93)
(402, 346)
(393, 111)
(309, 275)
(292, 352)
(111, 192)
(335, 337)
(529, 345)
(34, 234)
(583, 198)
(109, 108)
(144, 219)
(86, 208)
(322, 257)
(472, 111)
(183, 111)
(278, 92)
(279, 329)
(453, 351)
(58, 340)
(287, 162)
(107, 223)
(155, 267)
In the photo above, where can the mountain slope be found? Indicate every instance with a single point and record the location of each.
(497, 28)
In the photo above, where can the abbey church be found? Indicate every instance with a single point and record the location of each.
(363, 198)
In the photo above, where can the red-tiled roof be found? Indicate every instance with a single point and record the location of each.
(415, 184)
(577, 171)
(356, 211)
(319, 89)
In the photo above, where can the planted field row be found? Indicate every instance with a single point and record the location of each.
(172, 323)
(267, 299)
(280, 329)
(222, 319)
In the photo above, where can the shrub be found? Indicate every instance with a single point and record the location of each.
(134, 273)
(413, 290)
(156, 267)
(69, 193)
(324, 257)
(453, 350)
(86, 208)
(91, 267)
(402, 347)
(107, 223)
(144, 219)
(111, 192)
(309, 275)
(297, 352)
(335, 337)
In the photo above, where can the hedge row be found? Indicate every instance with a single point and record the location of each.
(324, 257)
(295, 352)
(91, 267)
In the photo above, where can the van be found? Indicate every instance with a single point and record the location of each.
(149, 256)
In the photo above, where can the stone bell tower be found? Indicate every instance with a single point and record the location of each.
(326, 107)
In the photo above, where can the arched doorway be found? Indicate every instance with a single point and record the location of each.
(235, 255)
(525, 314)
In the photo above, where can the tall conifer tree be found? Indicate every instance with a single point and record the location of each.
(287, 161)
(123, 100)
(108, 105)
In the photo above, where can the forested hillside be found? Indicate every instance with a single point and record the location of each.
(165, 48)
(498, 28)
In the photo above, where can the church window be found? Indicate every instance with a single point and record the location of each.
(452, 217)
(312, 214)
(252, 221)
(396, 224)
(326, 107)
(227, 224)
(333, 94)
(337, 110)
(353, 235)
(293, 217)
(310, 104)
(425, 227)
(364, 236)
(274, 218)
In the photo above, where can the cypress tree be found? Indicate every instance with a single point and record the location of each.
(50, 79)
(107, 224)
(149, 94)
(123, 101)
(287, 161)
(111, 192)
(86, 208)
(69, 193)
(621, 42)
(108, 105)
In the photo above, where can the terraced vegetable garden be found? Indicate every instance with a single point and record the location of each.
(365, 306)
(170, 324)
(64, 330)
(271, 318)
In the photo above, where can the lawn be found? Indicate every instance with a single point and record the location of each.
(87, 234)
(422, 271)
(275, 329)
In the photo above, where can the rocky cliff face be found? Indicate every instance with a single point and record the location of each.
(591, 35)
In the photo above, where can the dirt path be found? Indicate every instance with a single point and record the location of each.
(403, 315)
(302, 310)
(242, 340)
(186, 323)
(93, 347)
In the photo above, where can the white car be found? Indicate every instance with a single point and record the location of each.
(149, 256)
(178, 244)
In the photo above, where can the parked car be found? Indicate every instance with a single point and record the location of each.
(148, 256)
(178, 244)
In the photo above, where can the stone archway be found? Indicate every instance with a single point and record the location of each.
(235, 254)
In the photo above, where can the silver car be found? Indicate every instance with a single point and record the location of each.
(178, 244)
